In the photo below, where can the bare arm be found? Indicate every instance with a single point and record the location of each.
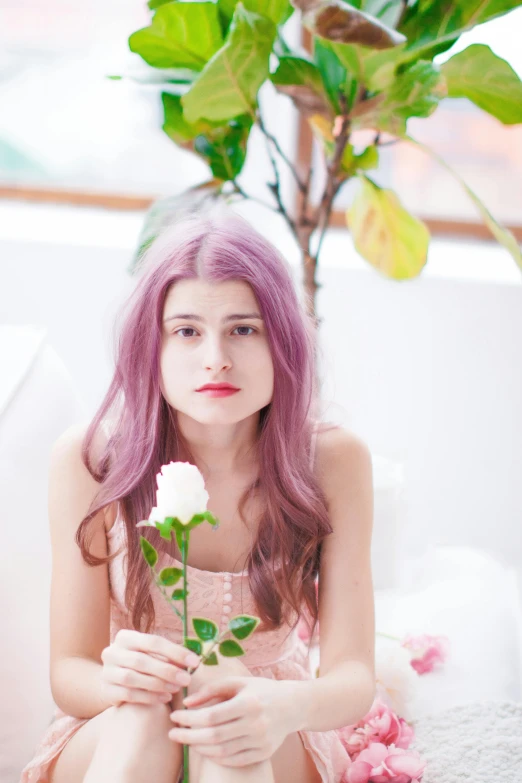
(345, 689)
(77, 685)
(88, 672)
(79, 610)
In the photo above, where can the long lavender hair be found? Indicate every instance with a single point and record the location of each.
(215, 247)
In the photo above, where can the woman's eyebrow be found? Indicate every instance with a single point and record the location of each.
(232, 317)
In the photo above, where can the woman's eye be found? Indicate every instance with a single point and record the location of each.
(190, 329)
(245, 327)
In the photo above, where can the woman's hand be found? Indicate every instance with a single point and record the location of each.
(144, 668)
(248, 727)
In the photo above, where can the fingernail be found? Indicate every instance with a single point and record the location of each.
(192, 659)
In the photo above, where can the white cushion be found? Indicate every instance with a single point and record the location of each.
(37, 403)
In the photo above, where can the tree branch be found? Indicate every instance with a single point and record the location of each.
(332, 182)
(300, 184)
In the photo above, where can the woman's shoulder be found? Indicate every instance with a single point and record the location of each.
(99, 442)
(336, 447)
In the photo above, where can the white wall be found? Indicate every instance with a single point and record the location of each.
(428, 372)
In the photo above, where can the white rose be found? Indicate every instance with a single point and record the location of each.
(181, 493)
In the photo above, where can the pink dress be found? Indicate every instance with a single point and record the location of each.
(278, 654)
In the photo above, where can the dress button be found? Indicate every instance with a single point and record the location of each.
(227, 597)
(228, 580)
(227, 609)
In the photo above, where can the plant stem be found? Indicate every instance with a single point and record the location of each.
(300, 184)
(388, 636)
(238, 189)
(169, 601)
(184, 548)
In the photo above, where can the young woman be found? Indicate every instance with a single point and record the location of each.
(214, 304)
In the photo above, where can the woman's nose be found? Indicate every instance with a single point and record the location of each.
(216, 357)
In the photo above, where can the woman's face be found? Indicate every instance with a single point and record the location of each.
(205, 340)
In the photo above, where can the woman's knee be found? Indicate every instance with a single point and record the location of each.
(227, 667)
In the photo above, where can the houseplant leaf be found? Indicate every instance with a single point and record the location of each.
(334, 75)
(489, 81)
(416, 92)
(165, 211)
(391, 239)
(501, 234)
(301, 80)
(222, 145)
(228, 85)
(432, 26)
(339, 21)
(180, 35)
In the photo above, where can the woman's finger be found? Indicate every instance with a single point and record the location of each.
(119, 695)
(225, 711)
(129, 678)
(225, 749)
(213, 735)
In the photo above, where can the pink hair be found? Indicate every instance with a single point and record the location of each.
(295, 518)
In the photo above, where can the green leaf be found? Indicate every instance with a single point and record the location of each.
(169, 576)
(194, 645)
(161, 76)
(501, 234)
(375, 70)
(206, 516)
(279, 11)
(394, 242)
(415, 93)
(433, 26)
(165, 211)
(149, 553)
(340, 22)
(368, 159)
(228, 85)
(225, 151)
(387, 11)
(211, 660)
(179, 594)
(487, 80)
(175, 125)
(205, 629)
(181, 35)
(334, 75)
(152, 4)
(230, 649)
(301, 80)
(276, 10)
(243, 626)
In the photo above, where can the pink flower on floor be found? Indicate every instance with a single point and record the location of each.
(379, 725)
(428, 652)
(379, 764)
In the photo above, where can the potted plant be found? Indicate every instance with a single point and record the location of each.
(370, 68)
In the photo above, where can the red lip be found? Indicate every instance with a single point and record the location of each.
(218, 386)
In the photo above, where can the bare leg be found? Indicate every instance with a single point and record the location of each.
(203, 769)
(135, 747)
(210, 772)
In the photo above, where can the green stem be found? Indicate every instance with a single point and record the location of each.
(388, 636)
(184, 550)
(164, 592)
